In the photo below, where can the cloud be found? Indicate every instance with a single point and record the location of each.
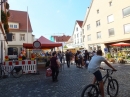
(58, 11)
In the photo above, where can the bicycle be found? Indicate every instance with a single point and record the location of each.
(16, 72)
(94, 88)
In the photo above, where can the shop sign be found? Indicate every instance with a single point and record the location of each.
(105, 50)
(37, 50)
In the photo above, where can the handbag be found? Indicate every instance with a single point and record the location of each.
(48, 72)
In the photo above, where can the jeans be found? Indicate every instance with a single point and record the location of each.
(55, 72)
(68, 63)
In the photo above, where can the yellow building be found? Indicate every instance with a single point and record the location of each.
(106, 22)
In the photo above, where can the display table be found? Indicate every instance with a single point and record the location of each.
(28, 66)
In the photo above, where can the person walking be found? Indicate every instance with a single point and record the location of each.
(86, 58)
(55, 64)
(76, 58)
(80, 59)
(68, 58)
(60, 55)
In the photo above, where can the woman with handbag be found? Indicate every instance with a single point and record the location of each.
(55, 64)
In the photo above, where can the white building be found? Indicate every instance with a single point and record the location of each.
(3, 42)
(78, 35)
(21, 32)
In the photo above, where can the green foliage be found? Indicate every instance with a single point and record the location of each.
(108, 55)
(8, 14)
(7, 5)
(6, 27)
(3, 17)
(65, 46)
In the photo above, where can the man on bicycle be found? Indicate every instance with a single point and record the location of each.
(94, 67)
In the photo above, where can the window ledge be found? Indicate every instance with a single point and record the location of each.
(127, 33)
(111, 36)
(110, 22)
(126, 16)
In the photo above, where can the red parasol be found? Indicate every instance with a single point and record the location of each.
(121, 44)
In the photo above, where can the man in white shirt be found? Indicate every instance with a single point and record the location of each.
(94, 67)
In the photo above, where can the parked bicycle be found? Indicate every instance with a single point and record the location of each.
(92, 90)
(16, 71)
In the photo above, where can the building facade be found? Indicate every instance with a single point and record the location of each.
(3, 41)
(60, 39)
(20, 27)
(107, 22)
(78, 35)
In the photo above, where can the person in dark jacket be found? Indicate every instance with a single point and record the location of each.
(76, 58)
(54, 66)
(68, 58)
(86, 56)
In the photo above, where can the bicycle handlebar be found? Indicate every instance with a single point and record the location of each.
(108, 70)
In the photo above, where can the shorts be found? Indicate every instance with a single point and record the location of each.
(98, 75)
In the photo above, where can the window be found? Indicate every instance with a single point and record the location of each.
(111, 32)
(81, 34)
(98, 11)
(110, 3)
(98, 23)
(88, 27)
(89, 37)
(81, 40)
(15, 26)
(83, 31)
(126, 11)
(77, 41)
(110, 18)
(127, 28)
(22, 37)
(13, 37)
(98, 35)
(77, 29)
(11, 26)
(77, 35)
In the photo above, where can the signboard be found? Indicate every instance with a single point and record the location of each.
(36, 45)
(37, 50)
(106, 50)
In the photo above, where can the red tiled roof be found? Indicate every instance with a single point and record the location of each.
(80, 23)
(63, 38)
(21, 18)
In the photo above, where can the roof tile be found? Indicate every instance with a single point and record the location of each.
(21, 18)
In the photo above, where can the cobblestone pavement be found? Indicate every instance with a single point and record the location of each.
(71, 83)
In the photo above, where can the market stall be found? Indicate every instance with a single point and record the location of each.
(119, 52)
(40, 52)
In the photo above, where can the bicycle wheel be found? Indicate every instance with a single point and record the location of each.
(17, 74)
(112, 88)
(90, 91)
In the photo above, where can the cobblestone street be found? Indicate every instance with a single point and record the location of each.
(71, 82)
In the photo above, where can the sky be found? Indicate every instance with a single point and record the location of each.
(52, 17)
